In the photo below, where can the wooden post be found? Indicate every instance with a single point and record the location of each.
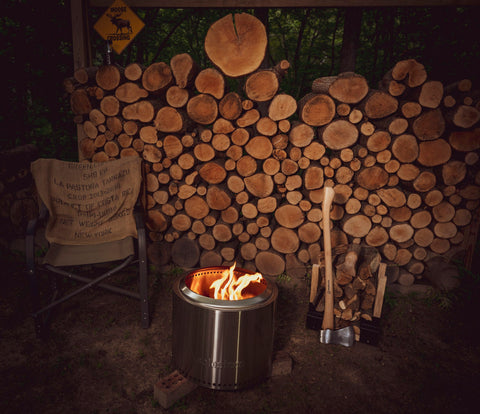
(82, 56)
(80, 38)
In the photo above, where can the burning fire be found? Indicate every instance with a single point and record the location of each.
(229, 286)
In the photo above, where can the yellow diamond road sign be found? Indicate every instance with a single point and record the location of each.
(119, 25)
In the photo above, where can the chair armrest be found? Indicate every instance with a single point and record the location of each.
(42, 217)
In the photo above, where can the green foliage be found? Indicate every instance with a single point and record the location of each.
(35, 58)
(309, 46)
(390, 299)
(283, 278)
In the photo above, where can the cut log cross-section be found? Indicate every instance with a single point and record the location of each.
(316, 110)
(236, 44)
(239, 175)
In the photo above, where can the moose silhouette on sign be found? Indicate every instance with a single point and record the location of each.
(120, 23)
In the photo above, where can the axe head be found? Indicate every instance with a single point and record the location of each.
(344, 336)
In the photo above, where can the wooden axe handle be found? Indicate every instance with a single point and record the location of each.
(314, 283)
(382, 281)
(328, 194)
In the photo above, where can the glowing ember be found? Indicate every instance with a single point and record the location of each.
(229, 285)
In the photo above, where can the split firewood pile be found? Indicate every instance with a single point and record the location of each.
(239, 175)
(355, 282)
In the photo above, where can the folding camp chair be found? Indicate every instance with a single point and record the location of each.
(93, 215)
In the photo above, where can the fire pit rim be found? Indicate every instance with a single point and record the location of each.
(224, 305)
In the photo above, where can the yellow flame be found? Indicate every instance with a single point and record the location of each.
(230, 287)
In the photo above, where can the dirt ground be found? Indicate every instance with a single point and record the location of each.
(97, 359)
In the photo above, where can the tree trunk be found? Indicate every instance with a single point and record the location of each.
(351, 39)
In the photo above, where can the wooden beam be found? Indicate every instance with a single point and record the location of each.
(181, 4)
(82, 55)
(80, 37)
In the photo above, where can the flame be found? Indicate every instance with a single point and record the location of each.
(230, 287)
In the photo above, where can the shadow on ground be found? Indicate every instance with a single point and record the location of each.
(97, 359)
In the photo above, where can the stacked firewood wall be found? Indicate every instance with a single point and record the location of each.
(239, 175)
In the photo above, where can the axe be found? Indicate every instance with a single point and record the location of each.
(328, 335)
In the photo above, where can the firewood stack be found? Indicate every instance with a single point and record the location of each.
(239, 175)
(355, 283)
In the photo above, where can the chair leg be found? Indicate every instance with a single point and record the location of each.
(41, 317)
(38, 320)
(35, 298)
(145, 317)
(41, 327)
(143, 278)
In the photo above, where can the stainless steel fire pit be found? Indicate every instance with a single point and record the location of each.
(223, 344)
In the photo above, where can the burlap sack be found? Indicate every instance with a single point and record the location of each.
(88, 202)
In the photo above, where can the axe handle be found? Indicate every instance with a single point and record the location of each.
(382, 281)
(314, 283)
(328, 194)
